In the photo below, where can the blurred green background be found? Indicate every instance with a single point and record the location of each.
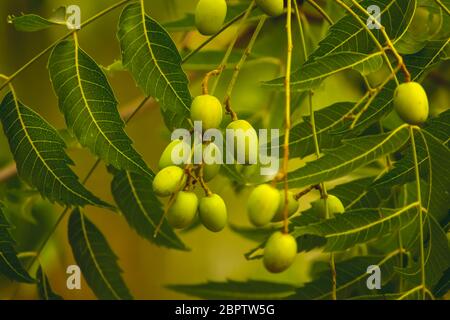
(148, 268)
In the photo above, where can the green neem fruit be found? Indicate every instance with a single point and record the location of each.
(273, 8)
(292, 206)
(210, 16)
(213, 212)
(168, 181)
(183, 210)
(176, 148)
(262, 204)
(245, 141)
(335, 206)
(208, 110)
(212, 158)
(280, 252)
(411, 103)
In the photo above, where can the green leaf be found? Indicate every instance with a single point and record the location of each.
(96, 259)
(44, 289)
(134, 196)
(350, 275)
(360, 194)
(155, 63)
(236, 290)
(33, 22)
(90, 107)
(418, 64)
(359, 226)
(10, 265)
(311, 75)
(353, 154)
(443, 286)
(437, 255)
(39, 153)
(349, 35)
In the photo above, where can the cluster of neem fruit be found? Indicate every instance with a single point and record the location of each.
(266, 204)
(210, 14)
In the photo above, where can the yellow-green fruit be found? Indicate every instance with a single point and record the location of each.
(208, 110)
(212, 158)
(183, 210)
(168, 181)
(411, 103)
(292, 206)
(262, 204)
(176, 148)
(280, 252)
(210, 16)
(245, 141)
(213, 212)
(273, 8)
(335, 206)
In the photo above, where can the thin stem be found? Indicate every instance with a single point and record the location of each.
(320, 10)
(419, 211)
(238, 67)
(50, 47)
(225, 26)
(287, 113)
(224, 61)
(323, 188)
(372, 36)
(439, 2)
(388, 41)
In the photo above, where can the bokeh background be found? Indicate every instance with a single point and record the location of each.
(148, 268)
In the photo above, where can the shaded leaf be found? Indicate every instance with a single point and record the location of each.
(358, 226)
(10, 265)
(353, 154)
(96, 259)
(34, 22)
(44, 289)
(39, 153)
(153, 59)
(134, 196)
(443, 286)
(236, 290)
(310, 75)
(90, 107)
(351, 275)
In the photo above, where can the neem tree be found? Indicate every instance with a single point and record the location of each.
(397, 219)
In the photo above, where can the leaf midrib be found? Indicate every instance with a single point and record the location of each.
(25, 130)
(147, 41)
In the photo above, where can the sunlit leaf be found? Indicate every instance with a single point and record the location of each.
(153, 59)
(90, 107)
(39, 153)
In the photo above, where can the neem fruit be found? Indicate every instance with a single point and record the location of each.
(245, 141)
(262, 204)
(279, 252)
(183, 210)
(208, 110)
(335, 206)
(168, 181)
(213, 212)
(292, 206)
(210, 16)
(178, 148)
(411, 103)
(273, 8)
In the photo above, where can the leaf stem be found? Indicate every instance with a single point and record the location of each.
(323, 189)
(224, 61)
(320, 10)
(50, 47)
(419, 211)
(238, 67)
(439, 2)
